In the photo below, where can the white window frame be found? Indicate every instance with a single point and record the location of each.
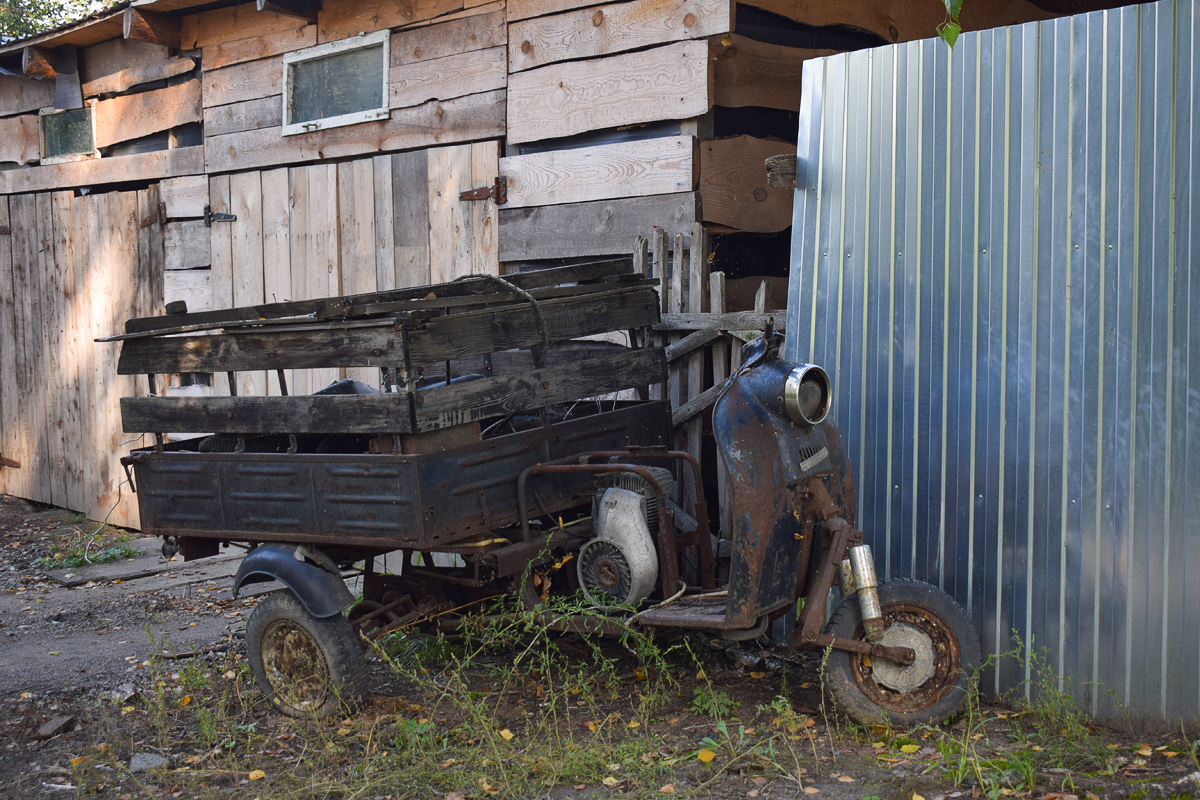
(358, 42)
(65, 159)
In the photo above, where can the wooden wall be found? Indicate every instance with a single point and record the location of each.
(72, 269)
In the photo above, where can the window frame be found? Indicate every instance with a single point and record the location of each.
(359, 42)
(50, 111)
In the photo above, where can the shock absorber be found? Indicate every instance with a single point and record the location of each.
(867, 585)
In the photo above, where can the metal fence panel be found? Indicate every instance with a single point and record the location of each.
(994, 254)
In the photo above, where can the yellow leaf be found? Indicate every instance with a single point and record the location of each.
(126, 709)
(609, 780)
(256, 775)
(26, 695)
(758, 675)
(706, 755)
(845, 779)
(591, 726)
(811, 790)
(1170, 753)
(667, 788)
(639, 673)
(1145, 750)
(75, 762)
(917, 796)
(878, 745)
(488, 786)
(506, 734)
(910, 748)
(633, 723)
(700, 675)
(185, 701)
(345, 731)
(806, 686)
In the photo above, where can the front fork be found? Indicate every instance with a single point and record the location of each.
(851, 558)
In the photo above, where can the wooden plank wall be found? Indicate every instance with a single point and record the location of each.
(72, 269)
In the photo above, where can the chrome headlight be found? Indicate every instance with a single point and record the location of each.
(806, 395)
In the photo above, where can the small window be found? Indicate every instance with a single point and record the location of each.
(334, 84)
(67, 135)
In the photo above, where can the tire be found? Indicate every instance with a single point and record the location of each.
(306, 667)
(928, 692)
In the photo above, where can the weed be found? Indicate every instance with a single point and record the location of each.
(709, 702)
(80, 552)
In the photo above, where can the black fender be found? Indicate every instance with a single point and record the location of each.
(322, 593)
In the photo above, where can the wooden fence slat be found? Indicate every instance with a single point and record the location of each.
(356, 238)
(246, 240)
(720, 364)
(184, 197)
(68, 346)
(10, 429)
(363, 413)
(188, 243)
(697, 294)
(410, 205)
(323, 271)
(277, 253)
(86, 288)
(384, 243)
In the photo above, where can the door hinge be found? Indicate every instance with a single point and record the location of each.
(498, 191)
(211, 216)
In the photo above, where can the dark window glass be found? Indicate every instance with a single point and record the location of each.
(67, 133)
(342, 83)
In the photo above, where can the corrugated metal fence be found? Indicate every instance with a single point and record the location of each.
(994, 254)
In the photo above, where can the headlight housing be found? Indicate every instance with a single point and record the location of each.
(807, 395)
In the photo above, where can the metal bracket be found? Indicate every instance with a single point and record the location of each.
(211, 216)
(498, 191)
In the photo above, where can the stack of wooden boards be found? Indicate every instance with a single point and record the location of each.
(468, 325)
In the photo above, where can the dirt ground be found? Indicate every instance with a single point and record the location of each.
(147, 668)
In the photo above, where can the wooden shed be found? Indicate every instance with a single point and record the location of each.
(235, 154)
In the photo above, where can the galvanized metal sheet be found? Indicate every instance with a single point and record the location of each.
(994, 255)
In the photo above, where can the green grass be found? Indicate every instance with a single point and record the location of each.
(80, 553)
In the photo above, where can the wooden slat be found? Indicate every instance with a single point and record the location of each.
(187, 245)
(450, 237)
(248, 115)
(479, 116)
(125, 79)
(384, 243)
(729, 321)
(603, 30)
(362, 413)
(277, 253)
(625, 169)
(597, 228)
(356, 240)
(301, 382)
(256, 47)
(23, 225)
(115, 55)
(19, 139)
(751, 73)
(65, 340)
(697, 299)
(410, 207)
(221, 243)
(246, 81)
(489, 397)
(10, 426)
(192, 286)
(246, 239)
(83, 222)
(524, 9)
(50, 336)
(118, 169)
(136, 115)
(484, 217)
(21, 95)
(184, 197)
(669, 82)
(322, 276)
(213, 28)
(457, 75)
(476, 32)
(341, 18)
(733, 185)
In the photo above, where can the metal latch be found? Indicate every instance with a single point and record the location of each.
(211, 216)
(498, 191)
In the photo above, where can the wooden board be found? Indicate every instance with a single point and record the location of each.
(626, 169)
(341, 18)
(21, 95)
(410, 215)
(246, 240)
(363, 413)
(597, 228)
(733, 185)
(187, 244)
(477, 32)
(248, 115)
(450, 76)
(356, 240)
(193, 286)
(256, 47)
(221, 243)
(246, 81)
(136, 115)
(539, 388)
(19, 141)
(10, 425)
(277, 247)
(184, 197)
(750, 73)
(474, 117)
(213, 28)
(118, 169)
(524, 9)
(603, 30)
(670, 82)
(125, 79)
(383, 243)
(102, 60)
(461, 232)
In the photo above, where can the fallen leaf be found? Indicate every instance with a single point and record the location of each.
(488, 786)
(185, 701)
(345, 731)
(639, 673)
(811, 790)
(26, 695)
(758, 675)
(256, 775)
(633, 723)
(591, 726)
(455, 796)
(1169, 753)
(1145, 750)
(667, 788)
(56, 652)
(910, 748)
(78, 760)
(579, 787)
(845, 779)
(609, 780)
(506, 734)
(806, 686)
(706, 755)
(916, 796)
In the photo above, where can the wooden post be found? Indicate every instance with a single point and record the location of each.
(640, 255)
(675, 304)
(148, 26)
(38, 62)
(720, 361)
(697, 294)
(659, 270)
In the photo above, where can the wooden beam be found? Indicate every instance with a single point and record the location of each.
(781, 170)
(351, 413)
(136, 115)
(38, 62)
(476, 32)
(19, 139)
(733, 185)
(729, 321)
(118, 169)
(693, 341)
(20, 95)
(125, 79)
(150, 26)
(246, 81)
(301, 9)
(663, 165)
(696, 405)
(751, 73)
(341, 18)
(256, 47)
(244, 21)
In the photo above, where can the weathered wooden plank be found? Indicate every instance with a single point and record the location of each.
(450, 76)
(150, 26)
(277, 254)
(192, 286)
(450, 239)
(82, 213)
(322, 266)
(19, 139)
(733, 185)
(524, 9)
(54, 375)
(478, 116)
(384, 241)
(249, 80)
(187, 245)
(221, 243)
(136, 115)
(355, 413)
(184, 197)
(673, 285)
(751, 73)
(410, 205)
(341, 18)
(23, 225)
(625, 169)
(497, 396)
(246, 239)
(118, 169)
(356, 239)
(484, 216)
(688, 411)
(248, 115)
(126, 79)
(212, 28)
(669, 82)
(476, 32)
(697, 299)
(596, 228)
(615, 28)
(729, 321)
(21, 95)
(690, 343)
(38, 62)
(10, 417)
(255, 47)
(98, 61)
